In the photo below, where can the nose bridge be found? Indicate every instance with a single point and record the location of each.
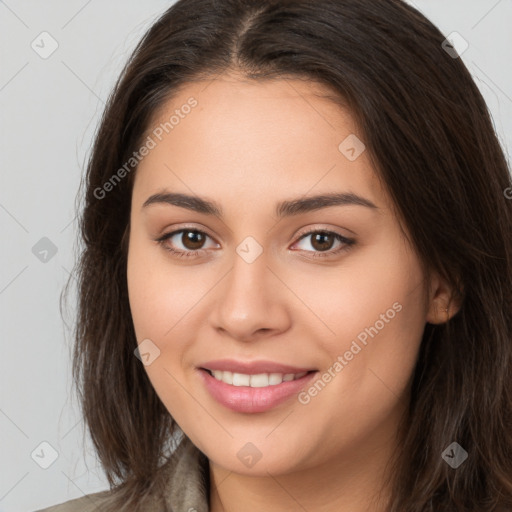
(249, 300)
(248, 279)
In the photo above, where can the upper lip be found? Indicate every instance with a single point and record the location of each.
(251, 367)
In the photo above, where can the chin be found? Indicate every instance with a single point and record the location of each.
(254, 459)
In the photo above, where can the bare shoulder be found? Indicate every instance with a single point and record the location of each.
(87, 503)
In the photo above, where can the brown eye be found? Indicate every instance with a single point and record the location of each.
(192, 240)
(185, 243)
(322, 241)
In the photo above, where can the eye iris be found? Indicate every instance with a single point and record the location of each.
(192, 240)
(320, 237)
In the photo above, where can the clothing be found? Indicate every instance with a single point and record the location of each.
(188, 486)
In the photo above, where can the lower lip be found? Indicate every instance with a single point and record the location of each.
(248, 399)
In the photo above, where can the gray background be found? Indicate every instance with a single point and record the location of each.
(49, 111)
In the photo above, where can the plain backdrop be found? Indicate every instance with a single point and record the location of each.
(50, 105)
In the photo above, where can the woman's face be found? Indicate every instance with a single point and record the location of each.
(345, 303)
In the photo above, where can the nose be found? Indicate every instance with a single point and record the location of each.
(251, 301)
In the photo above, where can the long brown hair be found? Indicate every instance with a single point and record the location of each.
(430, 136)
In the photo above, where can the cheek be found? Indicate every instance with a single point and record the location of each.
(160, 294)
(373, 315)
(376, 312)
(159, 302)
(381, 284)
(386, 327)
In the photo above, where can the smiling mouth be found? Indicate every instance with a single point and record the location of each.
(259, 380)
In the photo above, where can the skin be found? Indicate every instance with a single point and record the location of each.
(248, 145)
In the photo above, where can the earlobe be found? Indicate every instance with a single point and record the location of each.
(438, 314)
(444, 302)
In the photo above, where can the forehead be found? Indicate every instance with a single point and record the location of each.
(246, 141)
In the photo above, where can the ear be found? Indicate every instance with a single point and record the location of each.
(444, 300)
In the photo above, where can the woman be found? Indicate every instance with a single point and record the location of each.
(296, 285)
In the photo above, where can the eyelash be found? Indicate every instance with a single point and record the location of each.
(316, 254)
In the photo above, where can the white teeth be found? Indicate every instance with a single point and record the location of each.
(239, 379)
(260, 380)
(275, 378)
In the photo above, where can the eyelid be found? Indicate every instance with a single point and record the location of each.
(186, 227)
(323, 229)
(181, 229)
(304, 232)
(345, 241)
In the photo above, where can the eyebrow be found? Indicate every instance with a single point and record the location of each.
(283, 209)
